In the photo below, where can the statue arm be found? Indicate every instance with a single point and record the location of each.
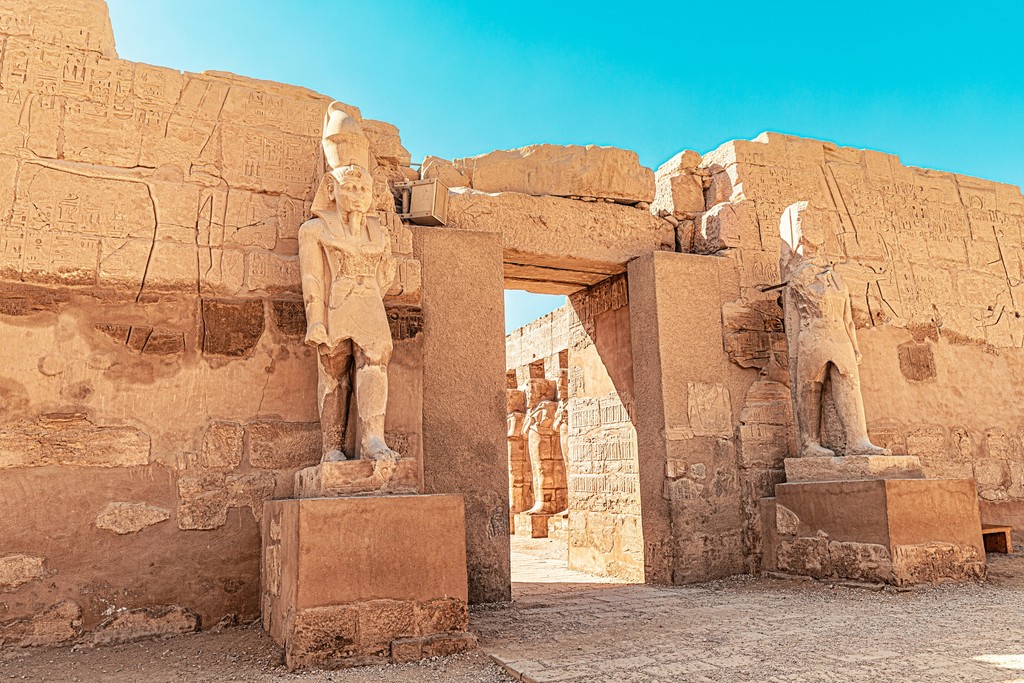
(791, 320)
(388, 267)
(850, 329)
(313, 273)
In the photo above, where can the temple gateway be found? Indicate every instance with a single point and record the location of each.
(255, 363)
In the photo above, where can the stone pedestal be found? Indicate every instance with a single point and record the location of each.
(897, 531)
(538, 526)
(354, 477)
(349, 581)
(854, 467)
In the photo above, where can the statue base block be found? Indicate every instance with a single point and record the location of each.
(895, 531)
(854, 467)
(540, 526)
(365, 580)
(354, 477)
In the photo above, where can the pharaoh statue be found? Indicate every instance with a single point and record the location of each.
(550, 493)
(520, 480)
(346, 266)
(821, 339)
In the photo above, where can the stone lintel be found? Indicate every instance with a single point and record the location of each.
(854, 468)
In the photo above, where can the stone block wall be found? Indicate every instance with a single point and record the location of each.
(933, 263)
(155, 389)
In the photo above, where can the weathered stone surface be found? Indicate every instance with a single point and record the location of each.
(71, 439)
(861, 561)
(563, 171)
(222, 446)
(679, 188)
(385, 142)
(277, 445)
(361, 476)
(128, 518)
(936, 562)
(289, 317)
(853, 467)
(323, 635)
(786, 521)
(445, 171)
(231, 328)
(206, 497)
(56, 624)
(18, 569)
(148, 622)
(804, 556)
(83, 25)
(594, 240)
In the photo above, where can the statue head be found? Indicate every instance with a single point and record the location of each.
(515, 401)
(347, 189)
(803, 230)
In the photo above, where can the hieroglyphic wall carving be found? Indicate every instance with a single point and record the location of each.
(151, 309)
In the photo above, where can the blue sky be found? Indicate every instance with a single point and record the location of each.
(939, 84)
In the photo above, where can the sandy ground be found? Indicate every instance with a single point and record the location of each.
(565, 626)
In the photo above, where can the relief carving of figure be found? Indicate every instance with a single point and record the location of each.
(520, 478)
(820, 336)
(346, 266)
(550, 492)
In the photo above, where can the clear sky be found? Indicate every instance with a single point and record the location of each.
(940, 84)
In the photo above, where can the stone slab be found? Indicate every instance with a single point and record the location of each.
(854, 467)
(358, 477)
(562, 170)
(897, 531)
(345, 578)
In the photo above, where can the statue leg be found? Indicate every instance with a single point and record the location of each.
(334, 372)
(372, 401)
(808, 420)
(850, 406)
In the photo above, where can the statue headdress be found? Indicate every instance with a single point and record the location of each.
(343, 141)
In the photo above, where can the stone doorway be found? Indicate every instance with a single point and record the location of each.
(573, 465)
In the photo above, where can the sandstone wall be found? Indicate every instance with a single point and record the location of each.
(155, 389)
(933, 261)
(605, 531)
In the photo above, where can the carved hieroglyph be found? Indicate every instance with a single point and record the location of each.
(347, 267)
(822, 342)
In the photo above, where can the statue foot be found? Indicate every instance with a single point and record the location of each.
(334, 456)
(375, 448)
(816, 451)
(868, 448)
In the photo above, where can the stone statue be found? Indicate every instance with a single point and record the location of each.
(550, 493)
(520, 479)
(820, 336)
(346, 266)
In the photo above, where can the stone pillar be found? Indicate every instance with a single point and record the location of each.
(685, 416)
(464, 428)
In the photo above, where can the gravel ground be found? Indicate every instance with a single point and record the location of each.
(235, 654)
(573, 627)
